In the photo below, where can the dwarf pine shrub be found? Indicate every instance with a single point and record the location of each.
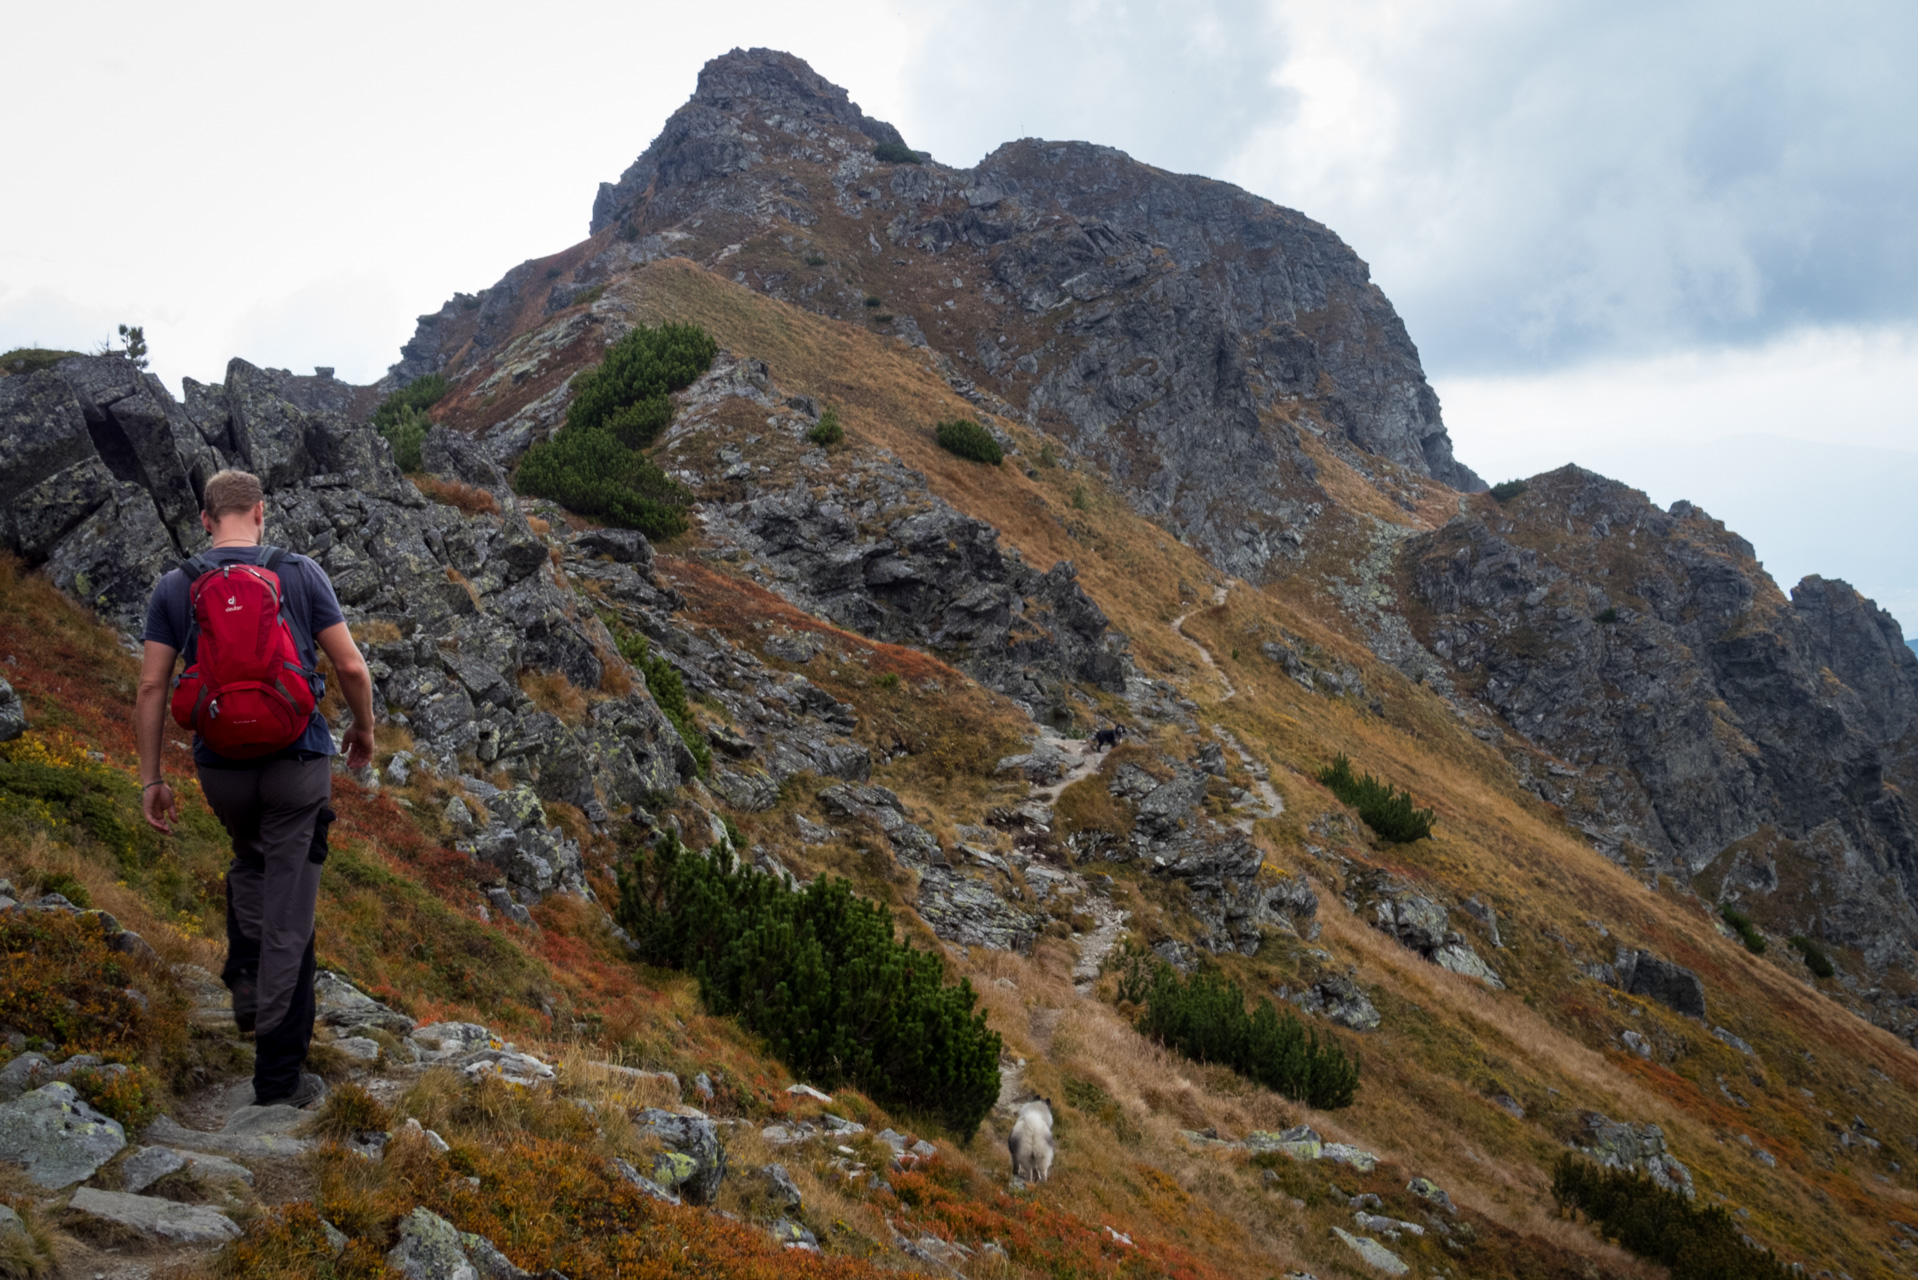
(969, 440)
(594, 464)
(1386, 811)
(818, 973)
(667, 688)
(1747, 931)
(1505, 490)
(1815, 958)
(1204, 1017)
(896, 153)
(402, 419)
(827, 432)
(1627, 1206)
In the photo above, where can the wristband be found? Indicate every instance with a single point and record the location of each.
(157, 782)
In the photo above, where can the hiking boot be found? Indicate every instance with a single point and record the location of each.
(246, 990)
(308, 1091)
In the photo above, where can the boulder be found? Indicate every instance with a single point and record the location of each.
(782, 1190)
(1298, 1142)
(28, 1071)
(57, 1137)
(1426, 1189)
(157, 1219)
(1399, 909)
(1372, 1253)
(644, 1183)
(1339, 999)
(693, 1163)
(1641, 973)
(150, 1164)
(343, 1005)
(249, 1140)
(1624, 1145)
(963, 909)
(13, 716)
(430, 1248)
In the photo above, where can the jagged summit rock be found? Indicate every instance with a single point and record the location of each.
(702, 140)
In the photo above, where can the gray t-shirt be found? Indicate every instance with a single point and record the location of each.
(309, 600)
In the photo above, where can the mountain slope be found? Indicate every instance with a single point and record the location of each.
(889, 662)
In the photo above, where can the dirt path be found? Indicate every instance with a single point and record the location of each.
(1205, 655)
(1089, 757)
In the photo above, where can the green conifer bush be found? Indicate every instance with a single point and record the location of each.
(817, 972)
(1204, 1017)
(594, 464)
(1663, 1226)
(667, 688)
(1815, 958)
(896, 153)
(1386, 811)
(402, 419)
(827, 432)
(969, 440)
(1505, 490)
(1747, 931)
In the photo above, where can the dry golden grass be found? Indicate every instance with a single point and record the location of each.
(552, 691)
(469, 498)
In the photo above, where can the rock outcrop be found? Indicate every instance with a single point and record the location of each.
(101, 468)
(1697, 722)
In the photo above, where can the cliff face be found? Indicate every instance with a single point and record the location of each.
(1185, 335)
(1704, 725)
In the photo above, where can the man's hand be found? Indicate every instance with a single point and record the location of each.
(358, 742)
(161, 807)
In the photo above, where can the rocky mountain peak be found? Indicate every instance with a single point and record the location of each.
(774, 86)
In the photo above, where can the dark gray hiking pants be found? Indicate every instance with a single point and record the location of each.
(276, 815)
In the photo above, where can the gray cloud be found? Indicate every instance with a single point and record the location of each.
(1533, 184)
(1176, 83)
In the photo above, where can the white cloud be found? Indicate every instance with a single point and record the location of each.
(1807, 445)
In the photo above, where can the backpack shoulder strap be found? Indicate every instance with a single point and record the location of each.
(195, 566)
(270, 559)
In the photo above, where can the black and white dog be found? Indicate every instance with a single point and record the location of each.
(1106, 739)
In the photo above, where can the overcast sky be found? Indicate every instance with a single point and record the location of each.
(1675, 242)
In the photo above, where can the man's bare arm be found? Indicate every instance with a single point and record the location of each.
(356, 686)
(157, 801)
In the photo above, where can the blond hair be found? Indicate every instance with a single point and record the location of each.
(231, 493)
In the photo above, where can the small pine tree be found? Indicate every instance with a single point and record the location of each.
(133, 339)
(827, 432)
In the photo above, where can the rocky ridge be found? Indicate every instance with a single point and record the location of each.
(1187, 336)
(102, 472)
(1694, 721)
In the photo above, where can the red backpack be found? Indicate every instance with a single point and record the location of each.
(248, 691)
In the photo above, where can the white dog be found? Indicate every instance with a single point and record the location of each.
(1031, 1141)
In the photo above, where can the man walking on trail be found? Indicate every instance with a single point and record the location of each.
(271, 789)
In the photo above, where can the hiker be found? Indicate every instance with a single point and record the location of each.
(247, 618)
